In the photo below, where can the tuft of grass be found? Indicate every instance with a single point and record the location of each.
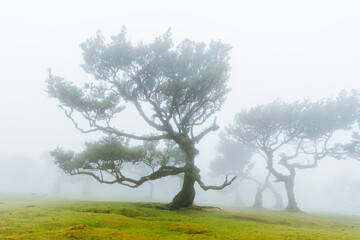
(49, 218)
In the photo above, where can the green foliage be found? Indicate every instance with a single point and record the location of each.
(330, 115)
(184, 85)
(348, 150)
(175, 90)
(265, 124)
(233, 158)
(95, 102)
(108, 153)
(111, 154)
(171, 155)
(280, 132)
(269, 127)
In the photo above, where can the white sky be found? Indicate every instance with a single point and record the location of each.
(288, 49)
(291, 49)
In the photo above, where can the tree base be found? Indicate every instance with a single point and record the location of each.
(181, 201)
(186, 196)
(292, 209)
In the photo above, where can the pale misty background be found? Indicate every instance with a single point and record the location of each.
(281, 49)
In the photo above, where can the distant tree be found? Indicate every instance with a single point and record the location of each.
(261, 188)
(234, 158)
(176, 92)
(281, 132)
(351, 149)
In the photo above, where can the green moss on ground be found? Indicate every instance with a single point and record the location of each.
(55, 219)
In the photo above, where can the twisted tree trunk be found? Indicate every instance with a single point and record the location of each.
(238, 197)
(186, 196)
(292, 204)
(258, 203)
(278, 200)
(288, 180)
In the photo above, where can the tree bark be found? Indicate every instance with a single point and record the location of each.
(186, 196)
(289, 186)
(288, 181)
(278, 200)
(258, 203)
(238, 199)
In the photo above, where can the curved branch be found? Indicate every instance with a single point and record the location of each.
(302, 166)
(279, 176)
(251, 179)
(69, 115)
(147, 120)
(112, 130)
(99, 179)
(109, 129)
(160, 173)
(203, 186)
(212, 128)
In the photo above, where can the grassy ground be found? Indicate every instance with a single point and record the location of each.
(32, 218)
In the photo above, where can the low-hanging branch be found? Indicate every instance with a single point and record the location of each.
(212, 128)
(205, 187)
(163, 171)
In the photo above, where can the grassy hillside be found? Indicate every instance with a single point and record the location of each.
(64, 219)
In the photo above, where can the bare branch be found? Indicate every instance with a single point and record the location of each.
(112, 130)
(302, 166)
(121, 179)
(69, 115)
(251, 179)
(203, 186)
(143, 115)
(285, 158)
(212, 128)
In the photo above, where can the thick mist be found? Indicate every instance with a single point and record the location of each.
(290, 50)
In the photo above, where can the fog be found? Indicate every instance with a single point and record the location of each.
(286, 49)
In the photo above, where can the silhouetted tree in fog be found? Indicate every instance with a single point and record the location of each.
(351, 149)
(261, 188)
(175, 90)
(282, 132)
(234, 158)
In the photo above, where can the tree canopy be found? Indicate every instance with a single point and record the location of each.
(175, 90)
(281, 132)
(350, 149)
(232, 158)
(183, 86)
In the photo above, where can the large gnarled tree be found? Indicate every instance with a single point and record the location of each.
(294, 136)
(175, 90)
